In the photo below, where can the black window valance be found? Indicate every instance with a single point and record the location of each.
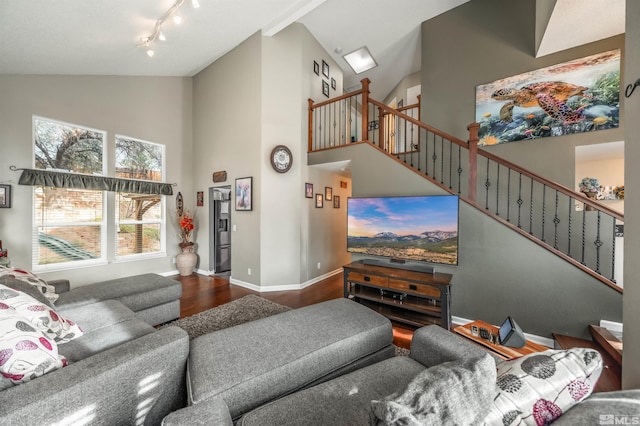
(38, 177)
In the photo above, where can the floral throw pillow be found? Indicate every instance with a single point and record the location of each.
(47, 290)
(25, 352)
(45, 319)
(538, 388)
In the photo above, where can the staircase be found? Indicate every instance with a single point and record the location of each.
(609, 347)
(577, 229)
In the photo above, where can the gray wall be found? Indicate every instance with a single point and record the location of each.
(149, 108)
(631, 367)
(494, 39)
(246, 103)
(500, 273)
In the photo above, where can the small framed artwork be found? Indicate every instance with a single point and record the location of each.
(308, 190)
(319, 201)
(325, 88)
(333, 83)
(316, 69)
(200, 198)
(328, 193)
(336, 201)
(5, 196)
(343, 184)
(325, 69)
(244, 194)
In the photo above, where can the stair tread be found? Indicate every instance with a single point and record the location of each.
(611, 377)
(608, 341)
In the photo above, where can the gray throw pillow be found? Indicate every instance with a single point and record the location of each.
(452, 393)
(26, 288)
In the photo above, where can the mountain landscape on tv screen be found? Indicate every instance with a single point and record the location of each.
(428, 246)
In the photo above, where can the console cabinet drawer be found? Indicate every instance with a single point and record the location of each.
(368, 279)
(425, 290)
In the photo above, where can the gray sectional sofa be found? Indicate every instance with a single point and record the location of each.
(122, 370)
(318, 365)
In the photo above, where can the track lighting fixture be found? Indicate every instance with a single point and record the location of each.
(157, 33)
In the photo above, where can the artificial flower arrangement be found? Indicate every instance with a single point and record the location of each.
(185, 222)
(589, 185)
(619, 191)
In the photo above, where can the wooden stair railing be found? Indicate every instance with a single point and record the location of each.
(567, 223)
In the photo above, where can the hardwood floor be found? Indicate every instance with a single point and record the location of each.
(201, 292)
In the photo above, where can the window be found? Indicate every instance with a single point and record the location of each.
(139, 217)
(69, 224)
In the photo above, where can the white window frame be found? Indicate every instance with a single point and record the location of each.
(102, 260)
(163, 212)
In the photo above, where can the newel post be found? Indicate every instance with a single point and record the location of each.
(365, 108)
(310, 119)
(473, 160)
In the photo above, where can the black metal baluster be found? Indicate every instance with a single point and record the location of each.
(498, 189)
(450, 165)
(556, 222)
(584, 224)
(509, 194)
(569, 226)
(544, 209)
(435, 156)
(441, 160)
(520, 200)
(613, 252)
(531, 209)
(487, 184)
(335, 127)
(598, 244)
(459, 168)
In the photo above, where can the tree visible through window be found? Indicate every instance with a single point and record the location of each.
(139, 217)
(69, 223)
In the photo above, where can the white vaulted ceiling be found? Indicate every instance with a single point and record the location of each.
(99, 37)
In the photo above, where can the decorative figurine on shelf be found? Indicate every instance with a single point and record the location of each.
(4, 256)
(619, 191)
(590, 187)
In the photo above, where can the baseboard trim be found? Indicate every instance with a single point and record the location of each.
(544, 341)
(284, 287)
(611, 325)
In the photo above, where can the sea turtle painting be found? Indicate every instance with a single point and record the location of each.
(548, 95)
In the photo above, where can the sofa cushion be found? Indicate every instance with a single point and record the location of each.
(452, 393)
(137, 292)
(30, 278)
(538, 388)
(41, 316)
(618, 407)
(345, 400)
(25, 352)
(301, 345)
(106, 324)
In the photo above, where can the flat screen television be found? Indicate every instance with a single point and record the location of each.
(412, 228)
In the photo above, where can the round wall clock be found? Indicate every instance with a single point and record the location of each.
(281, 159)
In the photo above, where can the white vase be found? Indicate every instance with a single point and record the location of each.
(186, 261)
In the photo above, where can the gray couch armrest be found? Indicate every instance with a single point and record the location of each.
(140, 381)
(622, 405)
(433, 345)
(62, 286)
(212, 412)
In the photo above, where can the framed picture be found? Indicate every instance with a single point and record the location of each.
(308, 190)
(325, 69)
(557, 100)
(325, 88)
(333, 83)
(244, 194)
(5, 196)
(336, 201)
(319, 201)
(343, 184)
(316, 69)
(200, 198)
(328, 193)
